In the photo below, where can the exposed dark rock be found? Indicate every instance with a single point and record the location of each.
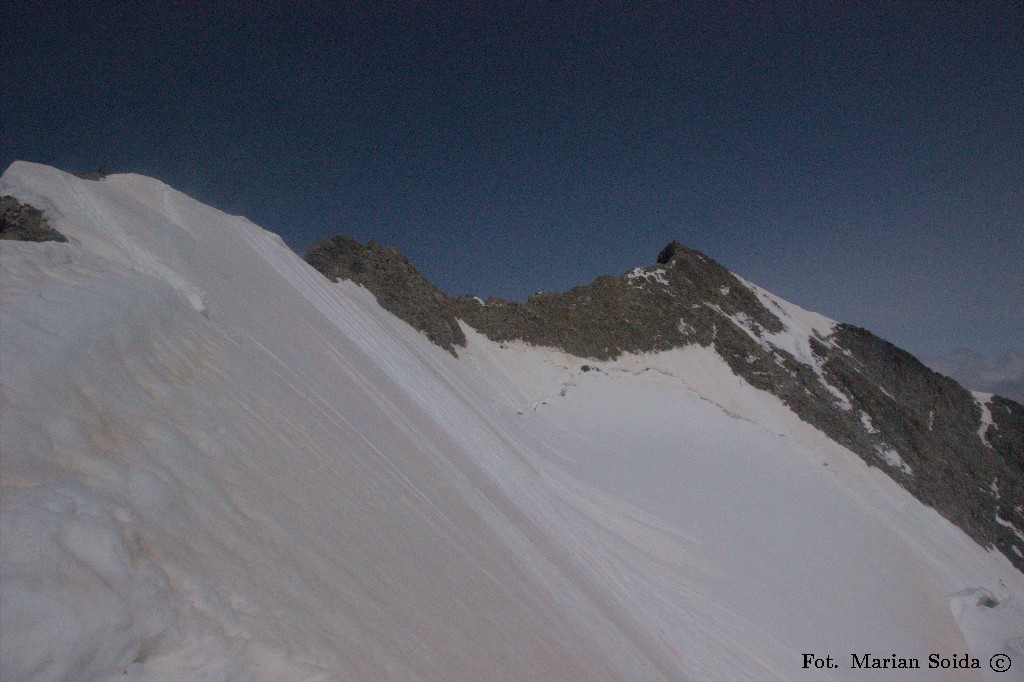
(933, 423)
(669, 252)
(649, 309)
(97, 175)
(22, 222)
(880, 402)
(397, 284)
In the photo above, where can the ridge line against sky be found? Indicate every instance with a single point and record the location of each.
(863, 162)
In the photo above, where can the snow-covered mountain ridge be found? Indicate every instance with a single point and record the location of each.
(944, 444)
(219, 465)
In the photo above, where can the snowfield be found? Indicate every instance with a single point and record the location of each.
(217, 465)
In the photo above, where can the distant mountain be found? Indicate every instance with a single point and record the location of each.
(944, 444)
(218, 464)
(1002, 374)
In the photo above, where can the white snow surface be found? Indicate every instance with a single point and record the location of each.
(217, 465)
(983, 400)
(643, 275)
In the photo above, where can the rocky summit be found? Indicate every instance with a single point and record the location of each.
(959, 452)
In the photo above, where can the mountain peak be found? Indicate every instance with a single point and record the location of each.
(864, 393)
(671, 251)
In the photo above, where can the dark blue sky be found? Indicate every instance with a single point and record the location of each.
(861, 161)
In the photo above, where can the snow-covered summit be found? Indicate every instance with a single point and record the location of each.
(219, 465)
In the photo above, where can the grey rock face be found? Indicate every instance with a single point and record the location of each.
(22, 222)
(918, 426)
(933, 424)
(397, 284)
(649, 309)
(670, 252)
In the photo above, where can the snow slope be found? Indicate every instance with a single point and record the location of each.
(219, 466)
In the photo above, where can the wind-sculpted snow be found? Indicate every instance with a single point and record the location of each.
(218, 465)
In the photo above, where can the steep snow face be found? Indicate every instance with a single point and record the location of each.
(218, 465)
(772, 521)
(260, 486)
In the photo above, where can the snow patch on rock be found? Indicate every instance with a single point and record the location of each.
(642, 275)
(983, 400)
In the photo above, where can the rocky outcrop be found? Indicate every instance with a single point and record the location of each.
(925, 430)
(670, 252)
(96, 176)
(22, 222)
(648, 309)
(971, 473)
(397, 284)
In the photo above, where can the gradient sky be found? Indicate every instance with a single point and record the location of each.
(863, 161)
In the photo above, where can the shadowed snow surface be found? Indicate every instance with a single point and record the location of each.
(217, 465)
